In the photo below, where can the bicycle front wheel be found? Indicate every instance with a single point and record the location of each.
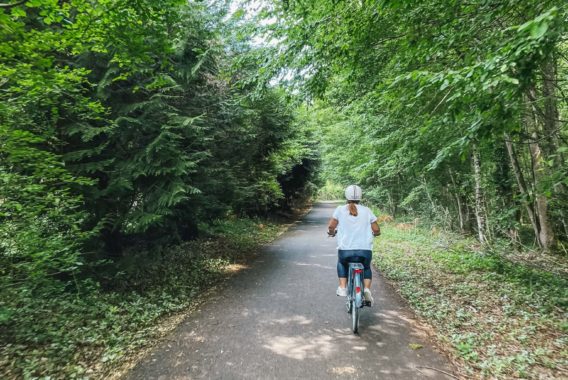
(354, 317)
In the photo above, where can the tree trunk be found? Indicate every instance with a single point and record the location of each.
(479, 209)
(425, 185)
(551, 131)
(392, 204)
(523, 187)
(457, 196)
(546, 234)
(550, 114)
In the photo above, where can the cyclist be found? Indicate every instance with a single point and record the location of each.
(355, 226)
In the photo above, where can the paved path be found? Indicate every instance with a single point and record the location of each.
(281, 319)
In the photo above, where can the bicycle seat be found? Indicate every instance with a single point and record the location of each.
(356, 264)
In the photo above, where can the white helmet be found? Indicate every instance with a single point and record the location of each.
(353, 193)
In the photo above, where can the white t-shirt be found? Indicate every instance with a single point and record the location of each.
(354, 232)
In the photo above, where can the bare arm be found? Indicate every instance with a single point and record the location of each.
(332, 227)
(376, 229)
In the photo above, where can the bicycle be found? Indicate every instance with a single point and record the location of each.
(355, 298)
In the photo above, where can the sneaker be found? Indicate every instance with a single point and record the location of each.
(341, 292)
(368, 296)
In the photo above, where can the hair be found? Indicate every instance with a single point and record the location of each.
(353, 207)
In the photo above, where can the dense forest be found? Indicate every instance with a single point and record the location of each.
(126, 126)
(126, 120)
(452, 111)
(130, 127)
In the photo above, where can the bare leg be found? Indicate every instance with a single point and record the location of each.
(366, 283)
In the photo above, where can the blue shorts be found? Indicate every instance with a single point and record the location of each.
(346, 256)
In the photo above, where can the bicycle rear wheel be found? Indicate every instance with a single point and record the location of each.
(354, 318)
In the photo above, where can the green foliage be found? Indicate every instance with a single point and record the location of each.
(410, 91)
(501, 314)
(136, 124)
(40, 218)
(126, 127)
(128, 124)
(51, 332)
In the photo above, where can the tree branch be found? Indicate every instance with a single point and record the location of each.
(438, 370)
(8, 6)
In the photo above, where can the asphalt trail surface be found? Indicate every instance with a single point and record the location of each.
(281, 319)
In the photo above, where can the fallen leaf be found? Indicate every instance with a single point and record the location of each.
(415, 346)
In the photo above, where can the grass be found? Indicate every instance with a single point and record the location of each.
(500, 317)
(53, 332)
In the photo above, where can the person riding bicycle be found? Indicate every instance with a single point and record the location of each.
(355, 226)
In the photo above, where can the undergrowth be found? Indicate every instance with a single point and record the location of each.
(502, 318)
(81, 328)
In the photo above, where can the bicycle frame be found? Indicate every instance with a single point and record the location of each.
(355, 299)
(355, 284)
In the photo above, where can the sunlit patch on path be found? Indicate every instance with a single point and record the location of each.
(343, 371)
(301, 348)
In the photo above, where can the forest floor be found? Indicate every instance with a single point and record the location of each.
(500, 314)
(497, 313)
(95, 329)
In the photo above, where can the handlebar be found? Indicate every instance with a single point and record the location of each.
(335, 233)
